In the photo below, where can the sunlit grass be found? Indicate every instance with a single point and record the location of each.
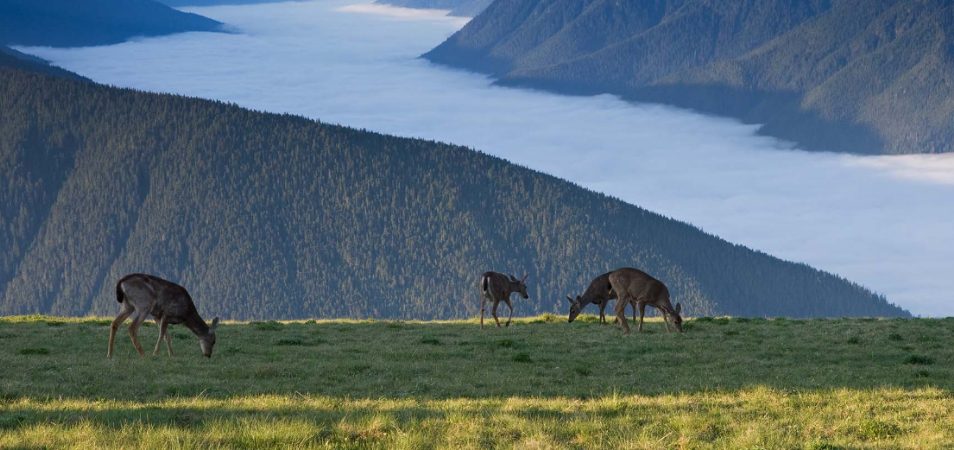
(542, 383)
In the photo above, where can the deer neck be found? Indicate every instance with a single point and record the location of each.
(197, 325)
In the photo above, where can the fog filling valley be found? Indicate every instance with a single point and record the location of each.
(886, 222)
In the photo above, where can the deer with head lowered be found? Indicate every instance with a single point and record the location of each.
(633, 286)
(599, 293)
(143, 295)
(497, 288)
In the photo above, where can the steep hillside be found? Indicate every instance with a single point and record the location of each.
(70, 23)
(273, 216)
(11, 58)
(465, 8)
(846, 75)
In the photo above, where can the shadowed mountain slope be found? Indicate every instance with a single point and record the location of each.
(73, 23)
(846, 75)
(274, 216)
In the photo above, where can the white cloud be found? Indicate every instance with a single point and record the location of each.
(882, 221)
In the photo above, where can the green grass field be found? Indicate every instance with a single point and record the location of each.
(542, 383)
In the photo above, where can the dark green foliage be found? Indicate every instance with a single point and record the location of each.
(34, 351)
(919, 360)
(844, 75)
(522, 357)
(264, 216)
(267, 326)
(430, 341)
(71, 23)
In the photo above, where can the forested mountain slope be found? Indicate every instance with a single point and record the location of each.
(13, 59)
(274, 216)
(74, 23)
(846, 75)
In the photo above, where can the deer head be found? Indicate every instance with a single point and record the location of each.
(208, 341)
(576, 307)
(676, 318)
(519, 285)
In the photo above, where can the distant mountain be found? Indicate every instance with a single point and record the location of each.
(845, 75)
(272, 216)
(10, 58)
(464, 8)
(74, 23)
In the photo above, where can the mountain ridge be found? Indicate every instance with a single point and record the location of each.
(840, 75)
(66, 23)
(275, 216)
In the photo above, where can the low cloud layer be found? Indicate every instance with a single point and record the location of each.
(885, 222)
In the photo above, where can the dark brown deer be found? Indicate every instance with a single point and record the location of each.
(633, 286)
(144, 295)
(599, 293)
(497, 288)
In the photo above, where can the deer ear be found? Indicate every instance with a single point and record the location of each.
(678, 308)
(525, 275)
(513, 278)
(569, 299)
(215, 323)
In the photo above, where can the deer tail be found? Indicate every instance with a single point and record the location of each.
(119, 292)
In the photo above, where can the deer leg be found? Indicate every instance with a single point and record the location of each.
(510, 317)
(158, 341)
(168, 340)
(603, 313)
(483, 307)
(493, 312)
(134, 329)
(621, 313)
(642, 312)
(112, 328)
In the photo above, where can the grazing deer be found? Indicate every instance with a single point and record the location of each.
(497, 288)
(143, 295)
(636, 287)
(599, 292)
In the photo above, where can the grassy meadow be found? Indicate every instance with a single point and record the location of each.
(541, 383)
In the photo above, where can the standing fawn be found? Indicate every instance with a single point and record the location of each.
(599, 292)
(497, 288)
(143, 295)
(636, 287)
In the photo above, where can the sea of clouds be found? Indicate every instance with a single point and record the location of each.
(885, 222)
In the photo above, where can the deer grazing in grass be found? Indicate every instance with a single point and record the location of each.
(497, 288)
(599, 293)
(633, 286)
(144, 295)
